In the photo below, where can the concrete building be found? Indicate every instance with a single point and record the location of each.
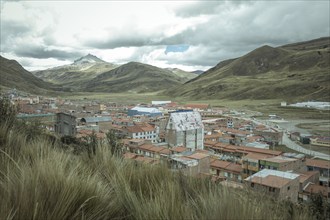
(278, 184)
(94, 120)
(323, 167)
(313, 189)
(190, 163)
(320, 141)
(283, 163)
(185, 129)
(65, 124)
(251, 163)
(231, 171)
(143, 131)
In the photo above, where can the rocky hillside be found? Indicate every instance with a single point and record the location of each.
(292, 72)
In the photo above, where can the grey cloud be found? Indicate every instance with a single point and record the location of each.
(272, 23)
(208, 7)
(9, 31)
(42, 52)
(115, 43)
(120, 39)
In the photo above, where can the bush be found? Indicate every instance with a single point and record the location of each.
(40, 181)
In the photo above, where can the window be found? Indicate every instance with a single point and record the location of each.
(288, 187)
(252, 185)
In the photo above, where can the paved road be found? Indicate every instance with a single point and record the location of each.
(294, 146)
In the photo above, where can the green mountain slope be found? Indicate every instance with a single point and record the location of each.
(292, 72)
(77, 73)
(13, 75)
(134, 77)
(183, 74)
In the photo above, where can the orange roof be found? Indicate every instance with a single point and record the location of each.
(140, 127)
(258, 150)
(313, 188)
(179, 149)
(212, 136)
(129, 155)
(318, 163)
(220, 164)
(145, 147)
(237, 168)
(202, 151)
(165, 151)
(156, 149)
(209, 143)
(197, 156)
(270, 180)
(306, 175)
(146, 160)
(235, 131)
(256, 156)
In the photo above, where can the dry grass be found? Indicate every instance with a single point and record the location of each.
(38, 180)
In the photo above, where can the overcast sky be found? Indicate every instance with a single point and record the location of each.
(185, 34)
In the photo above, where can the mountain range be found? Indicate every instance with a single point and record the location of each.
(90, 73)
(13, 75)
(298, 71)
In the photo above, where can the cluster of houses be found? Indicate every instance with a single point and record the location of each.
(200, 141)
(313, 140)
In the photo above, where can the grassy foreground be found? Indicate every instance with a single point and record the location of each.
(41, 180)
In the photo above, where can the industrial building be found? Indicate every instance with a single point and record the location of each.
(151, 112)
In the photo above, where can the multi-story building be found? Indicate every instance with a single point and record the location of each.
(190, 163)
(277, 184)
(143, 131)
(251, 163)
(185, 128)
(283, 163)
(229, 170)
(321, 166)
(65, 124)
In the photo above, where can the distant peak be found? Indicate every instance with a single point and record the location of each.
(89, 58)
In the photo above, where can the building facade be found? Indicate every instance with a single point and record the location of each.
(65, 124)
(185, 129)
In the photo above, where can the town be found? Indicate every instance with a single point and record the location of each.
(228, 146)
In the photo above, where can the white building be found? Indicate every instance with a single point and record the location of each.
(143, 131)
(185, 129)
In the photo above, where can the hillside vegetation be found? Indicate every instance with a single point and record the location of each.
(79, 72)
(13, 75)
(134, 77)
(41, 178)
(293, 72)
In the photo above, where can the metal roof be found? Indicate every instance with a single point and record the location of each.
(266, 172)
(183, 121)
(145, 109)
(96, 119)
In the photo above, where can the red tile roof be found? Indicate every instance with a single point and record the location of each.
(318, 163)
(179, 149)
(129, 155)
(198, 156)
(313, 188)
(219, 164)
(271, 180)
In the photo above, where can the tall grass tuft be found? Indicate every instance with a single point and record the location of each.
(40, 180)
